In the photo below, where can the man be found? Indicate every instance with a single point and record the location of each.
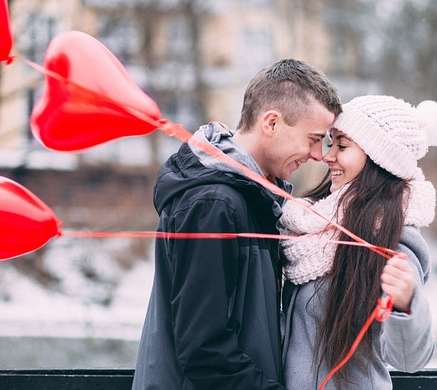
(213, 317)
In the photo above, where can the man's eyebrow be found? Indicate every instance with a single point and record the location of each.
(317, 134)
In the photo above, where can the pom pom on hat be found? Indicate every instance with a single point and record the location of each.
(427, 118)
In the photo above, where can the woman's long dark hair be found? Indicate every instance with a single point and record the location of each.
(372, 208)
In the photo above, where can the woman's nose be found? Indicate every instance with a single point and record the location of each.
(330, 156)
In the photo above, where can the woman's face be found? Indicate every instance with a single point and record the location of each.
(344, 158)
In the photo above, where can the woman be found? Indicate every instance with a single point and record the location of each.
(375, 189)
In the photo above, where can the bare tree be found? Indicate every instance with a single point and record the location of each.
(409, 63)
(147, 17)
(168, 24)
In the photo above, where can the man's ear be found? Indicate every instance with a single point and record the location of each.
(269, 120)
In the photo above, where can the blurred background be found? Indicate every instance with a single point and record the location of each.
(80, 303)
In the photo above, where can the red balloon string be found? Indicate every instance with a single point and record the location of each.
(381, 312)
(169, 235)
(159, 234)
(384, 305)
(194, 236)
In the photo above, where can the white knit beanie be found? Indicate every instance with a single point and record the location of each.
(393, 133)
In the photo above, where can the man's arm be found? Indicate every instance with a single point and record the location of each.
(205, 277)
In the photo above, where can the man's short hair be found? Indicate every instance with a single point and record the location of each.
(287, 86)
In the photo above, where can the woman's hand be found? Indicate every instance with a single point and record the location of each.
(398, 281)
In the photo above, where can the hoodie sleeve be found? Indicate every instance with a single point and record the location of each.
(406, 339)
(205, 278)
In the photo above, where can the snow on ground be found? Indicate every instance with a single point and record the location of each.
(28, 309)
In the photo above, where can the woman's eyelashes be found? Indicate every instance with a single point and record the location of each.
(339, 146)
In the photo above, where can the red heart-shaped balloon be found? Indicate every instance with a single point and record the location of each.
(93, 100)
(26, 223)
(5, 32)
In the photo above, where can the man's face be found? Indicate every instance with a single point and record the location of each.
(287, 147)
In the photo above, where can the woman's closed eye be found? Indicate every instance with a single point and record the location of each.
(339, 146)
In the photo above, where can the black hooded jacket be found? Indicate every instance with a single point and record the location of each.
(213, 316)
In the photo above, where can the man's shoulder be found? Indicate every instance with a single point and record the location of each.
(224, 193)
(213, 202)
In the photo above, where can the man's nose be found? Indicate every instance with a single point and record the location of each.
(316, 152)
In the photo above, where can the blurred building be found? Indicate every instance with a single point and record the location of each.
(195, 58)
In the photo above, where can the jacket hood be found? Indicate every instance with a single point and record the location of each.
(183, 171)
(221, 137)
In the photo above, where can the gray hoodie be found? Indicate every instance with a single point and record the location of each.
(221, 137)
(405, 342)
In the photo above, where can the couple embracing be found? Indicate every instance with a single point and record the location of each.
(255, 314)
